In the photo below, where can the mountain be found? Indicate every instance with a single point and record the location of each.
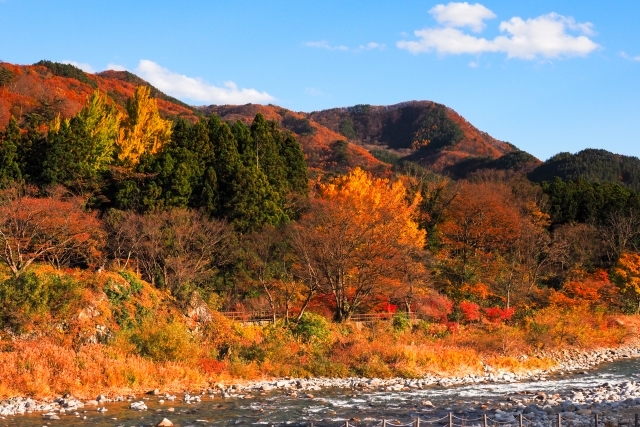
(426, 132)
(334, 140)
(590, 165)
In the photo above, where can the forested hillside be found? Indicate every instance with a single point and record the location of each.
(136, 231)
(591, 165)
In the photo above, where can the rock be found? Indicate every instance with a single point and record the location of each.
(101, 398)
(428, 404)
(198, 310)
(164, 423)
(138, 406)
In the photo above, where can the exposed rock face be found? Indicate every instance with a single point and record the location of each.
(198, 310)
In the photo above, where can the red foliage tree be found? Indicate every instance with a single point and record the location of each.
(52, 229)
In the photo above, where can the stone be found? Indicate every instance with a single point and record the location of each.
(138, 406)
(164, 423)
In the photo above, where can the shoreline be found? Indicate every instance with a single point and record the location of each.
(568, 361)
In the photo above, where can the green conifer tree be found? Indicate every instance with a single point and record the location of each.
(10, 173)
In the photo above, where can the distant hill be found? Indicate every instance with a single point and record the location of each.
(590, 165)
(334, 140)
(422, 131)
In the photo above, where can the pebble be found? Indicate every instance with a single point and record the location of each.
(164, 423)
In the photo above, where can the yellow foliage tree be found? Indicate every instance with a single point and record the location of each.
(144, 131)
(357, 237)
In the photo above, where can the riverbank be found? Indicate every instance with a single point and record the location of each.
(535, 405)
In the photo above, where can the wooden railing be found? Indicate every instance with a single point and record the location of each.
(266, 316)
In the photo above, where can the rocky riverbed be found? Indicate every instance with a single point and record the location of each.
(430, 397)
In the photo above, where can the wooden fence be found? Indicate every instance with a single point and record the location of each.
(452, 420)
(266, 316)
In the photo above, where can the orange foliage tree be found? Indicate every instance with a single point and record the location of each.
(627, 275)
(480, 224)
(357, 235)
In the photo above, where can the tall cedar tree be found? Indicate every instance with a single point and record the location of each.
(10, 173)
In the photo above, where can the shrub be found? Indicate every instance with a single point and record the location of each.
(135, 285)
(497, 314)
(164, 341)
(470, 311)
(27, 299)
(435, 307)
(401, 322)
(312, 327)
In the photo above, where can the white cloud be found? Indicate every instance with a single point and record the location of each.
(87, 68)
(196, 89)
(473, 64)
(544, 36)
(116, 67)
(547, 36)
(325, 45)
(371, 46)
(315, 92)
(446, 40)
(629, 57)
(462, 15)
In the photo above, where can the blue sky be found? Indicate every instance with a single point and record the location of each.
(547, 76)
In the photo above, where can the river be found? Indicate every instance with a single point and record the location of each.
(331, 407)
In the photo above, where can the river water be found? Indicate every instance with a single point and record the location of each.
(331, 406)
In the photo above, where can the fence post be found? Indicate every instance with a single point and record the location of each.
(636, 422)
(484, 420)
(450, 419)
(384, 423)
(520, 417)
(596, 420)
(559, 420)
(417, 421)
(346, 424)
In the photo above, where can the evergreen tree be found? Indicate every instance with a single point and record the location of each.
(32, 153)
(10, 173)
(266, 137)
(245, 144)
(80, 149)
(245, 196)
(296, 166)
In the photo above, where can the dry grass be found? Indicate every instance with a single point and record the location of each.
(152, 345)
(43, 369)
